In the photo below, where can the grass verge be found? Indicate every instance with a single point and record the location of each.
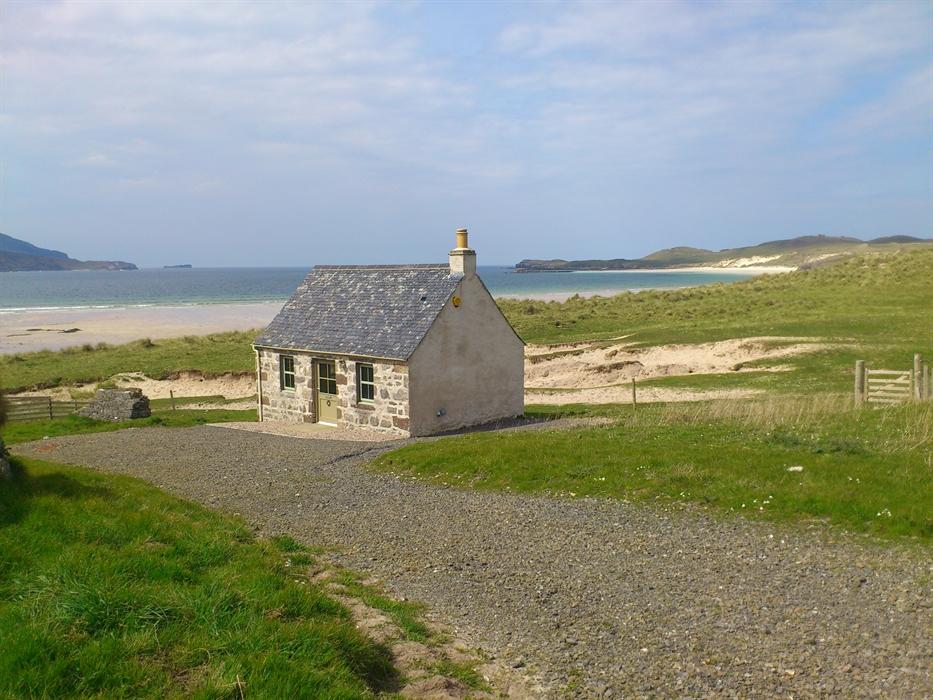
(26, 431)
(789, 460)
(111, 588)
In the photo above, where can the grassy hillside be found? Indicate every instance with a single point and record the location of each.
(872, 297)
(791, 252)
(213, 354)
(111, 588)
(874, 307)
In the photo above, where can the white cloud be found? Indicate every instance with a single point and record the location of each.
(563, 112)
(654, 80)
(96, 160)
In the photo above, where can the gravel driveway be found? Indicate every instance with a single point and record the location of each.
(598, 597)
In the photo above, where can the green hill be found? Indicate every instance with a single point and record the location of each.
(21, 256)
(790, 252)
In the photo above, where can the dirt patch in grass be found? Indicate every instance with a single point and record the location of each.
(622, 393)
(602, 366)
(232, 385)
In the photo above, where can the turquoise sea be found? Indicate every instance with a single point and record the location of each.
(20, 291)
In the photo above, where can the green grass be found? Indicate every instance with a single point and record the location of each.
(213, 354)
(465, 673)
(111, 588)
(863, 470)
(73, 425)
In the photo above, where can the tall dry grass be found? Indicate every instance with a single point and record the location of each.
(889, 429)
(761, 413)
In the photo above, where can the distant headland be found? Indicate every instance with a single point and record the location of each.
(185, 266)
(791, 253)
(21, 256)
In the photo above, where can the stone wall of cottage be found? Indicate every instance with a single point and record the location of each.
(388, 411)
(286, 404)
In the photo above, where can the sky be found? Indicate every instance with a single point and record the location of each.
(275, 133)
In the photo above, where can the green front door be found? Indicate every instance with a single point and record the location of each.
(326, 392)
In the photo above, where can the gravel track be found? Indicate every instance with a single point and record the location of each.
(591, 597)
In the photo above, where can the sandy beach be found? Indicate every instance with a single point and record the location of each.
(613, 291)
(26, 331)
(54, 329)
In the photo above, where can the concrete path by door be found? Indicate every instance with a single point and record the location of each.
(601, 598)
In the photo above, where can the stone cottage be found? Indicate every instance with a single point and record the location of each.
(407, 349)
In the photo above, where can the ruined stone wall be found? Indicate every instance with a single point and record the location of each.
(388, 411)
(287, 404)
(117, 404)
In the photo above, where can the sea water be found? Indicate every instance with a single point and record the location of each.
(20, 291)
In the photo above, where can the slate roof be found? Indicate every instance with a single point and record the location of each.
(375, 310)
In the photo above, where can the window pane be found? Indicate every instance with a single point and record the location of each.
(287, 371)
(365, 388)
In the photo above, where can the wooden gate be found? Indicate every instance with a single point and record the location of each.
(888, 385)
(892, 386)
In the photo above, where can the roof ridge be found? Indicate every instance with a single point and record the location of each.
(399, 266)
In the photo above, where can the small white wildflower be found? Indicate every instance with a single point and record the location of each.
(795, 468)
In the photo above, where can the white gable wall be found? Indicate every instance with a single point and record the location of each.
(469, 367)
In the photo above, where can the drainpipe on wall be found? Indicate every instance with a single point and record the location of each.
(259, 380)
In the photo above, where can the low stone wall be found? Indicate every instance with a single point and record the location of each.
(117, 404)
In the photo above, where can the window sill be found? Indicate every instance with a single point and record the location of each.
(366, 405)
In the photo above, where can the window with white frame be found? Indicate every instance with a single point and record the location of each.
(365, 383)
(287, 372)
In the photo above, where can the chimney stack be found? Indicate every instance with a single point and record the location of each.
(463, 258)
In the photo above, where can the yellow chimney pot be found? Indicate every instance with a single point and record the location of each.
(462, 239)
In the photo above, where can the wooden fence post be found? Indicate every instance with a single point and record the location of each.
(859, 382)
(634, 398)
(918, 377)
(171, 392)
(50, 407)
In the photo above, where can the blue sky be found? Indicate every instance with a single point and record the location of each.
(291, 134)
